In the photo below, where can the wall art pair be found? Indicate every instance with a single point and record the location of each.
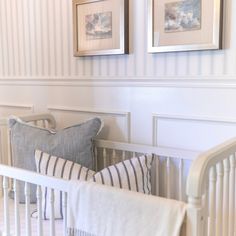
(101, 27)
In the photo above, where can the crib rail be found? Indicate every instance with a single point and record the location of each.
(211, 192)
(41, 181)
(169, 170)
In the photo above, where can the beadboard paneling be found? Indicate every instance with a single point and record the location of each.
(36, 41)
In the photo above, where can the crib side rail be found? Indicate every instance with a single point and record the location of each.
(211, 187)
(34, 178)
(137, 148)
(169, 169)
(52, 183)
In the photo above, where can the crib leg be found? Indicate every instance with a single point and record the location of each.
(195, 219)
(6, 206)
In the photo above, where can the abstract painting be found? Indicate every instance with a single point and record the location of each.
(98, 26)
(183, 16)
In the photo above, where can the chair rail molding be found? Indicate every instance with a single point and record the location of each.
(212, 81)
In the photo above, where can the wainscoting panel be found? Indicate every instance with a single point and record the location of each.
(116, 124)
(197, 133)
(7, 109)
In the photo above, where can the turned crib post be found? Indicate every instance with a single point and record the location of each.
(195, 217)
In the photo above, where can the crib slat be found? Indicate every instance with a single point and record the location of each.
(181, 179)
(105, 157)
(96, 158)
(44, 123)
(39, 210)
(52, 214)
(157, 175)
(231, 194)
(226, 197)
(212, 202)
(6, 206)
(17, 213)
(113, 156)
(133, 154)
(27, 209)
(219, 198)
(168, 178)
(65, 213)
(123, 155)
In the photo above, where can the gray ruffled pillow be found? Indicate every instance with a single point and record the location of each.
(74, 143)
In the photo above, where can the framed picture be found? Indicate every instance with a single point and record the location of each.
(184, 25)
(100, 27)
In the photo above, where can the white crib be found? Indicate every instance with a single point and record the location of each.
(209, 191)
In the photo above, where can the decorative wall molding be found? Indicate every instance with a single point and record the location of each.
(219, 82)
(3, 126)
(95, 112)
(157, 117)
(18, 106)
(14, 106)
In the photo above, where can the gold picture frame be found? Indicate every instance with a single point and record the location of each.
(176, 25)
(100, 27)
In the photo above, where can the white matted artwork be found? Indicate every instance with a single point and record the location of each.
(100, 27)
(184, 25)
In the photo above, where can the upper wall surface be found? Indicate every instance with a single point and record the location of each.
(36, 41)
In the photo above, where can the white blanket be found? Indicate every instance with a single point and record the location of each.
(98, 210)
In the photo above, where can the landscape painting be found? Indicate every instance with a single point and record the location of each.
(183, 16)
(98, 26)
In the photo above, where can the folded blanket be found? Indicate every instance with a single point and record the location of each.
(98, 210)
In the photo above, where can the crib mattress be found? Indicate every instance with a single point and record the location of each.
(46, 223)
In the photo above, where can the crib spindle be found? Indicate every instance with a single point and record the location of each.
(168, 178)
(27, 209)
(44, 123)
(6, 206)
(105, 157)
(157, 162)
(212, 202)
(231, 194)
(52, 214)
(226, 197)
(181, 179)
(65, 214)
(96, 158)
(219, 198)
(17, 212)
(39, 209)
(123, 155)
(113, 156)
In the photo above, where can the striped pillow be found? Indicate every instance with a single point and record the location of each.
(61, 168)
(133, 174)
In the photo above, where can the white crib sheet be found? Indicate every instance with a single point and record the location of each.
(58, 223)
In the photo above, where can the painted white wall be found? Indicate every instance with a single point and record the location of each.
(183, 99)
